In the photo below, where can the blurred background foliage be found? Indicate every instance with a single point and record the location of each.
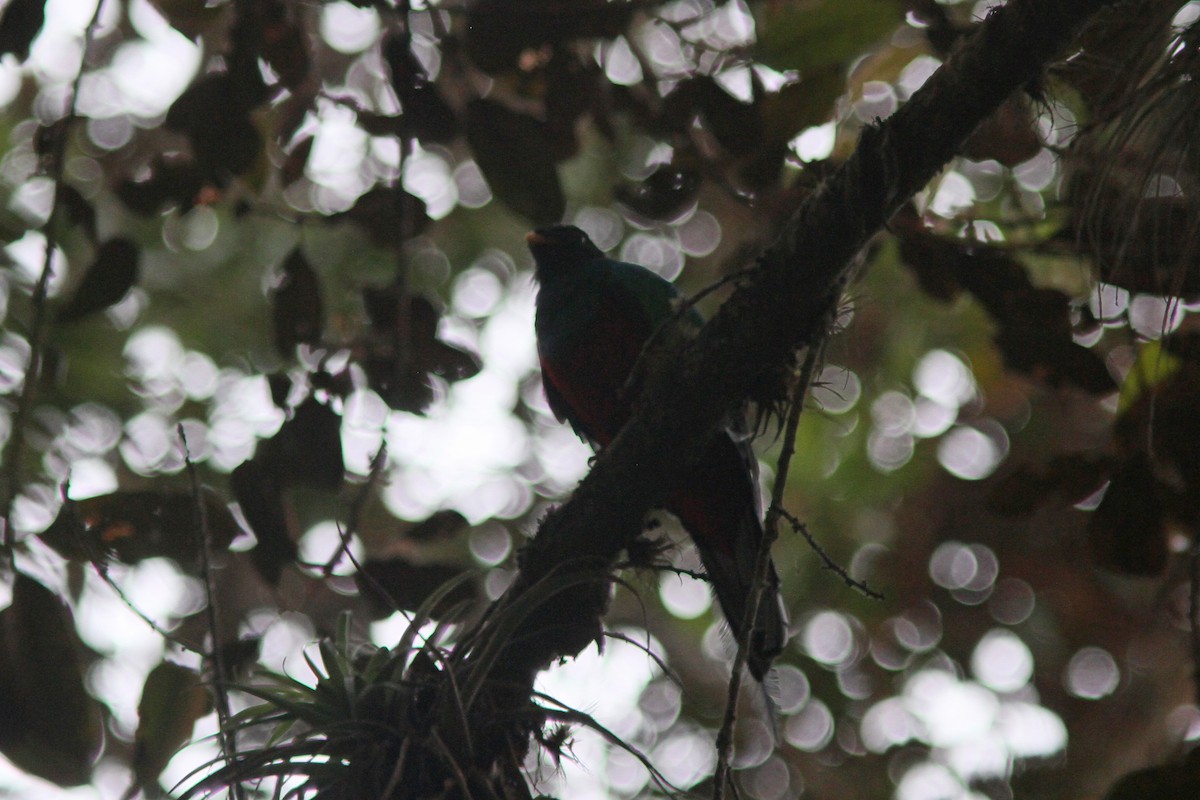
(291, 235)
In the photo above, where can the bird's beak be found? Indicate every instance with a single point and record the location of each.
(533, 237)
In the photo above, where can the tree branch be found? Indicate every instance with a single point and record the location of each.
(780, 309)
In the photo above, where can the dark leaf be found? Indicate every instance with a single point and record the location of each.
(19, 26)
(381, 124)
(514, 152)
(296, 306)
(107, 280)
(1126, 532)
(241, 654)
(399, 353)
(441, 525)
(1143, 244)
(572, 89)
(49, 725)
(1070, 478)
(294, 165)
(213, 97)
(679, 108)
(1162, 424)
(736, 125)
(787, 112)
(425, 114)
(172, 182)
(262, 506)
(1034, 324)
(307, 450)
(405, 69)
(933, 260)
(665, 195)
(189, 17)
(47, 137)
(280, 385)
(499, 31)
(133, 526)
(382, 307)
(173, 698)
(214, 114)
(79, 210)
(390, 216)
(337, 384)
(765, 166)
(432, 354)
(801, 104)
(1053, 361)
(397, 583)
(282, 42)
(428, 117)
(1166, 782)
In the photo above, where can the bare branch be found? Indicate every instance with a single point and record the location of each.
(220, 668)
(14, 449)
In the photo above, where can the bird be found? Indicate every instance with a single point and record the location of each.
(594, 316)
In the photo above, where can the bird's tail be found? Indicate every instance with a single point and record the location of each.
(732, 583)
(718, 505)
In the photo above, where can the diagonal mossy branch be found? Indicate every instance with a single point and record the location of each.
(780, 309)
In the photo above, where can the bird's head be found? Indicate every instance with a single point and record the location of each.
(560, 248)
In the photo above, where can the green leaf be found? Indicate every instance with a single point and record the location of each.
(814, 36)
(173, 699)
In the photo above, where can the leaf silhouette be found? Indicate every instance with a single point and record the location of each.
(133, 526)
(107, 280)
(173, 698)
(400, 353)
(296, 306)
(262, 505)
(307, 450)
(49, 724)
(20, 25)
(513, 150)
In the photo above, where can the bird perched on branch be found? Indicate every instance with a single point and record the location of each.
(594, 317)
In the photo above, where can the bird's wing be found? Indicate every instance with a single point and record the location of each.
(656, 298)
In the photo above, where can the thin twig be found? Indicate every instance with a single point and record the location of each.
(799, 391)
(221, 677)
(356, 508)
(455, 767)
(827, 561)
(686, 304)
(14, 447)
(1194, 615)
(645, 648)
(573, 716)
(397, 769)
